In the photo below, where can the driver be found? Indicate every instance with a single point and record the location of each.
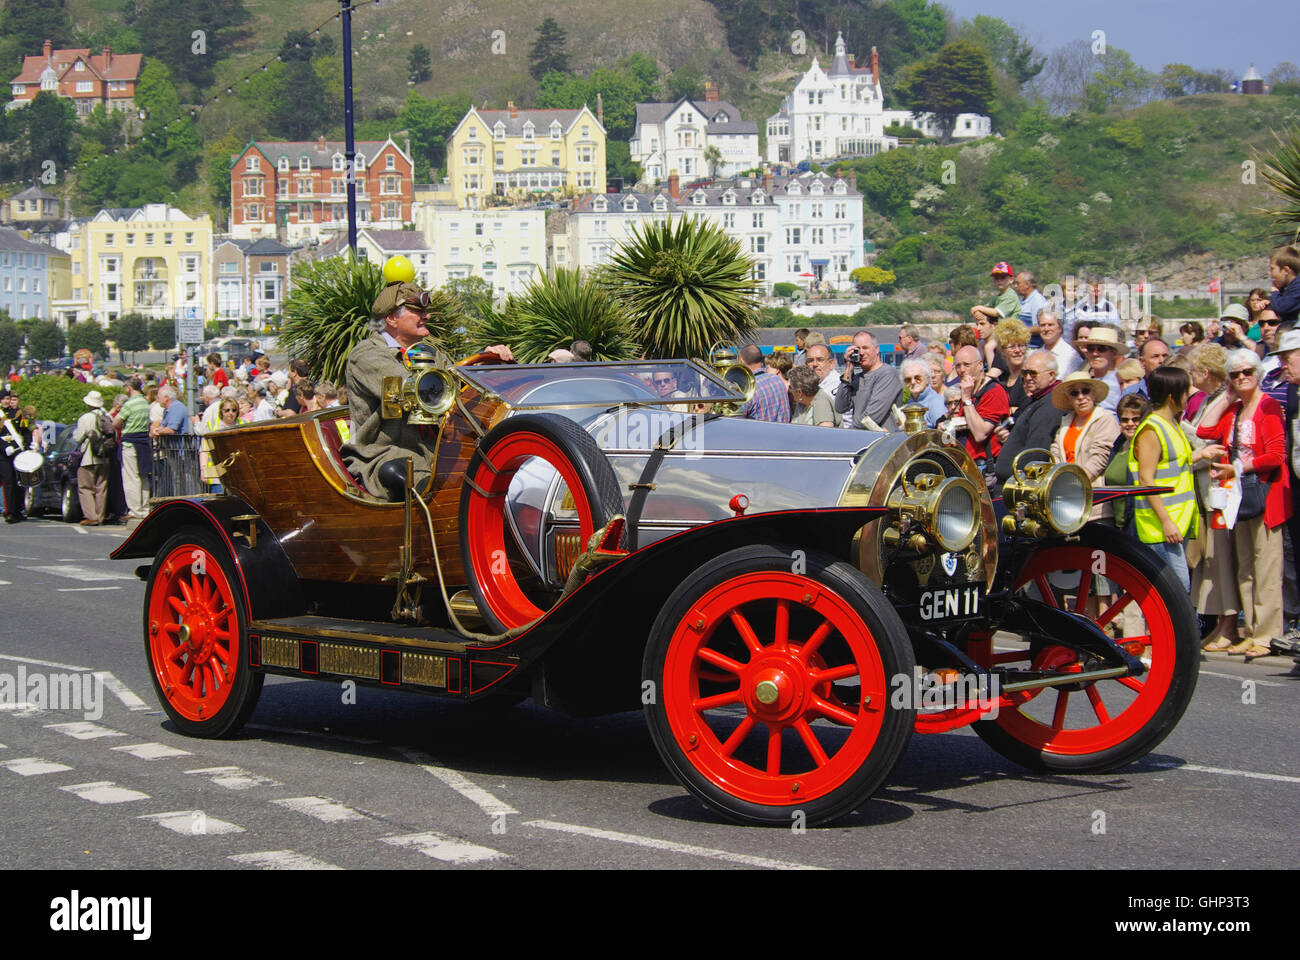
(15, 437)
(377, 449)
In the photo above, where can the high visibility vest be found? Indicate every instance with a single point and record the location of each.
(1173, 471)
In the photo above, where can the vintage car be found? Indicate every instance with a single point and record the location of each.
(787, 604)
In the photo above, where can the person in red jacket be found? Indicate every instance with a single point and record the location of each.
(1248, 422)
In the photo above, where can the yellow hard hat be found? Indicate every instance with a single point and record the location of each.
(399, 270)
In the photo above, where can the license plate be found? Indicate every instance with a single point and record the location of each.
(951, 603)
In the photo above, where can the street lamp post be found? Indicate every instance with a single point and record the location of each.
(350, 152)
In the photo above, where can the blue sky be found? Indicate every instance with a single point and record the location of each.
(1204, 33)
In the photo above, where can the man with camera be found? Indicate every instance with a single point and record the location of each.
(868, 387)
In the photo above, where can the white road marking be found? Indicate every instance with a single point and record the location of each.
(105, 791)
(33, 766)
(120, 690)
(1225, 771)
(281, 860)
(83, 589)
(447, 849)
(44, 663)
(153, 751)
(10, 556)
(470, 791)
(322, 808)
(83, 730)
(235, 778)
(669, 846)
(5, 583)
(23, 709)
(1233, 676)
(76, 529)
(192, 823)
(72, 571)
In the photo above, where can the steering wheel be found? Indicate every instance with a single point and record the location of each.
(486, 358)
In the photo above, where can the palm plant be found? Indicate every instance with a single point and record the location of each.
(1281, 171)
(555, 311)
(684, 287)
(328, 313)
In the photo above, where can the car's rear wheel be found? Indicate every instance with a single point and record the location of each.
(487, 543)
(1103, 724)
(771, 688)
(196, 634)
(32, 501)
(69, 504)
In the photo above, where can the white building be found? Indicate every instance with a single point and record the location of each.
(840, 112)
(504, 246)
(676, 137)
(378, 245)
(802, 230)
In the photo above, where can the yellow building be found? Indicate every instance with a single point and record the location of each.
(519, 153)
(154, 260)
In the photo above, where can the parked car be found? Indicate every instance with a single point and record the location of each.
(786, 604)
(53, 488)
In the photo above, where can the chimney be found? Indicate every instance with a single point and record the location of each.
(875, 67)
(408, 146)
(108, 57)
(674, 185)
(600, 109)
(49, 50)
(710, 92)
(851, 61)
(767, 181)
(320, 144)
(514, 111)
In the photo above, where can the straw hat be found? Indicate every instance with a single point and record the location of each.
(1103, 337)
(1061, 393)
(94, 399)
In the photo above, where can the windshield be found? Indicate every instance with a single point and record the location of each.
(660, 382)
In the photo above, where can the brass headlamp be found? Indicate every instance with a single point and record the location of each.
(929, 510)
(1045, 498)
(422, 397)
(727, 365)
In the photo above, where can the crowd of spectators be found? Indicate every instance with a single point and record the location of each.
(1214, 409)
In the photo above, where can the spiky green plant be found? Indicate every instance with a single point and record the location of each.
(555, 311)
(1281, 171)
(684, 286)
(328, 313)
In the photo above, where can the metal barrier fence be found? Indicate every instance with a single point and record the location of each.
(177, 470)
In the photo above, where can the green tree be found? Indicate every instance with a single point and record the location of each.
(108, 128)
(1117, 82)
(644, 71)
(130, 333)
(10, 340)
(429, 123)
(684, 286)
(300, 108)
(873, 278)
(162, 333)
(555, 311)
(45, 341)
(958, 79)
(1007, 50)
(474, 294)
(926, 24)
(547, 53)
(24, 27)
(48, 127)
(87, 335)
(419, 66)
(685, 82)
(169, 135)
(167, 33)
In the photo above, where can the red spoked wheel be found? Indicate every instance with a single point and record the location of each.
(488, 548)
(1102, 724)
(195, 636)
(774, 686)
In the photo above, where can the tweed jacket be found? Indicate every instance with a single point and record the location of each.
(374, 441)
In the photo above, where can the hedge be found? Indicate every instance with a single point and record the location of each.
(59, 398)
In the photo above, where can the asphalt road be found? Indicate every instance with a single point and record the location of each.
(401, 781)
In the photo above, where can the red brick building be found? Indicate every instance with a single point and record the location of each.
(108, 78)
(298, 191)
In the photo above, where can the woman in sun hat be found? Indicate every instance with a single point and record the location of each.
(1088, 430)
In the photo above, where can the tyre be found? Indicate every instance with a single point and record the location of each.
(196, 636)
(486, 541)
(69, 504)
(32, 505)
(1098, 725)
(772, 687)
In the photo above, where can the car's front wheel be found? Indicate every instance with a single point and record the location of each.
(69, 505)
(771, 673)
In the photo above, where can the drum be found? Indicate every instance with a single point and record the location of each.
(27, 464)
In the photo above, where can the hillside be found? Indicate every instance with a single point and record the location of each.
(1160, 190)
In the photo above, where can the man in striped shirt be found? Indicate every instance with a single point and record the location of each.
(771, 400)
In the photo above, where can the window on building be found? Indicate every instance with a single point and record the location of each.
(266, 266)
(816, 237)
(304, 213)
(336, 187)
(229, 267)
(190, 264)
(108, 239)
(304, 163)
(268, 289)
(478, 229)
(758, 243)
(816, 211)
(130, 239)
(501, 158)
(167, 239)
(729, 221)
(252, 163)
(555, 130)
(189, 239)
(148, 239)
(841, 211)
(337, 162)
(756, 221)
(390, 162)
(391, 210)
(794, 262)
(499, 131)
(793, 236)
